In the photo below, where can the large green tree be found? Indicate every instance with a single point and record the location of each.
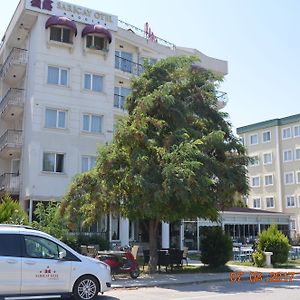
(173, 157)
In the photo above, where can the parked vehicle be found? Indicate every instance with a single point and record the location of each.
(121, 262)
(35, 264)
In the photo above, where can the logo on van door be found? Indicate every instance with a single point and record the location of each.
(47, 273)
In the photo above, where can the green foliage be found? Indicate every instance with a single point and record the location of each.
(216, 247)
(11, 211)
(259, 258)
(273, 240)
(49, 219)
(93, 240)
(173, 157)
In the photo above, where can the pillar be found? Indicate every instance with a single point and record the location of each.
(30, 209)
(165, 235)
(182, 235)
(124, 231)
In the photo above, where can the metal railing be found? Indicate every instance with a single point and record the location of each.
(144, 34)
(128, 66)
(16, 56)
(222, 98)
(119, 101)
(12, 97)
(10, 182)
(11, 137)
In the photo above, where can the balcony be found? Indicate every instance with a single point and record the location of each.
(10, 183)
(11, 143)
(128, 66)
(12, 104)
(14, 67)
(222, 99)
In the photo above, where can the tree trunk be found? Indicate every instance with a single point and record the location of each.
(153, 225)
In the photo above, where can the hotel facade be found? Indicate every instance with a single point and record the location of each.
(65, 72)
(274, 174)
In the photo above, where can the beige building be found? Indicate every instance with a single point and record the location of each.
(64, 75)
(274, 174)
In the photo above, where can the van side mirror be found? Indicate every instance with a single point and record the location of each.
(62, 255)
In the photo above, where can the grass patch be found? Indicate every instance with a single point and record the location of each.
(190, 269)
(241, 263)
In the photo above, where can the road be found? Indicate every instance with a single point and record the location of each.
(221, 290)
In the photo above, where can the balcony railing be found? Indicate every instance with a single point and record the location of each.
(222, 99)
(128, 66)
(10, 182)
(12, 97)
(17, 56)
(144, 34)
(11, 138)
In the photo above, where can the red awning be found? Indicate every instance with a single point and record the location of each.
(62, 21)
(97, 28)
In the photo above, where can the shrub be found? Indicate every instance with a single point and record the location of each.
(216, 247)
(259, 258)
(49, 220)
(273, 240)
(11, 211)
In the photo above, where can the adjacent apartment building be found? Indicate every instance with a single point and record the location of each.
(65, 72)
(274, 174)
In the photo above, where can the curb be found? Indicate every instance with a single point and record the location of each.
(162, 284)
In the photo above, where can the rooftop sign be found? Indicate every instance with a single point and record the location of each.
(74, 12)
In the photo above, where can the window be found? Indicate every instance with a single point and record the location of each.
(254, 161)
(270, 202)
(38, 247)
(57, 76)
(55, 118)
(268, 180)
(297, 153)
(254, 139)
(10, 245)
(266, 136)
(60, 34)
(53, 162)
(287, 155)
(286, 133)
(290, 201)
(293, 225)
(115, 227)
(297, 131)
(92, 123)
(242, 141)
(289, 178)
(87, 163)
(255, 181)
(96, 42)
(256, 203)
(123, 61)
(298, 176)
(120, 96)
(267, 158)
(93, 82)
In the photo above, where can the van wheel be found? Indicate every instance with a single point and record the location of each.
(86, 288)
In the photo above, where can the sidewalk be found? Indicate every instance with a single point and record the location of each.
(165, 279)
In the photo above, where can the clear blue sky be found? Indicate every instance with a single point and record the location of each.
(260, 39)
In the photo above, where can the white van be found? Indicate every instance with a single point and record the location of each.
(34, 264)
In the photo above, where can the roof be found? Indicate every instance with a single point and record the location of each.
(62, 21)
(97, 28)
(249, 210)
(269, 123)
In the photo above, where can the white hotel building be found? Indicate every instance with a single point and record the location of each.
(64, 74)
